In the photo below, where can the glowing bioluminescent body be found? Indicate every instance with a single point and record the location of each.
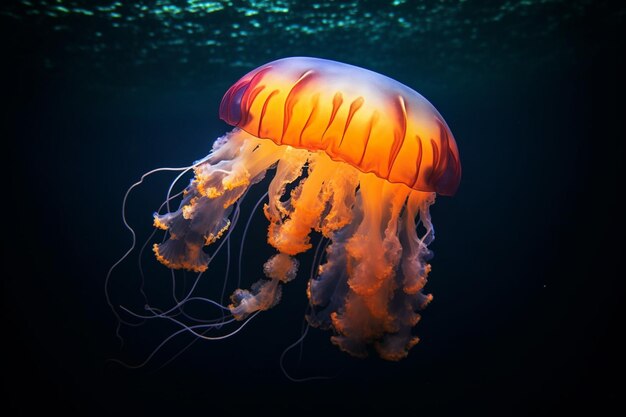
(368, 155)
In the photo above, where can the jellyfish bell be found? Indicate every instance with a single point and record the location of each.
(354, 115)
(363, 157)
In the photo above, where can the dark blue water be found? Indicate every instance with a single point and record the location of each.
(524, 276)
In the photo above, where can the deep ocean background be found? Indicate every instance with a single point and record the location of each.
(526, 279)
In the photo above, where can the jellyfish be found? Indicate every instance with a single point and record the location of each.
(356, 157)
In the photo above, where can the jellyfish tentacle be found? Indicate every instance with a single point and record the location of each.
(291, 235)
(185, 329)
(133, 244)
(316, 203)
(221, 179)
(288, 170)
(265, 293)
(372, 254)
(414, 269)
(327, 290)
(369, 288)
